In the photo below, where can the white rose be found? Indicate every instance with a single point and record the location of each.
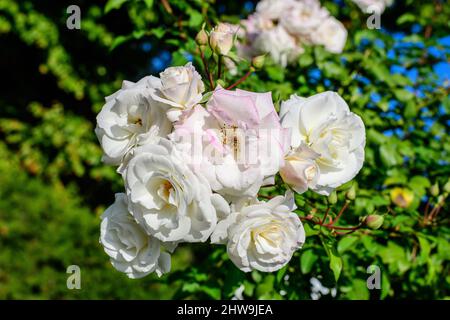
(282, 47)
(274, 9)
(131, 250)
(304, 17)
(167, 198)
(180, 88)
(221, 38)
(332, 34)
(262, 235)
(130, 117)
(373, 6)
(300, 169)
(325, 123)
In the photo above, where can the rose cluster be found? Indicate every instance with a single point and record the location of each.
(193, 163)
(283, 27)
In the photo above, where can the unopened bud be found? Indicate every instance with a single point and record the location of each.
(434, 190)
(221, 38)
(202, 38)
(258, 62)
(332, 198)
(351, 193)
(374, 221)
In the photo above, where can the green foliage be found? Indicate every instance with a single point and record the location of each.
(53, 185)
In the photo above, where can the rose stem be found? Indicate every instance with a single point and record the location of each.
(219, 68)
(205, 65)
(249, 72)
(325, 216)
(339, 214)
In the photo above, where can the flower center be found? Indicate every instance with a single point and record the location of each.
(165, 190)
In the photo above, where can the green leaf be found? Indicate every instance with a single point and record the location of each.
(149, 3)
(307, 260)
(407, 17)
(305, 60)
(358, 291)
(119, 41)
(346, 243)
(206, 97)
(425, 249)
(389, 155)
(335, 260)
(195, 19)
(113, 4)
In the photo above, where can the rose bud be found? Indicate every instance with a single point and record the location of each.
(374, 221)
(221, 38)
(202, 38)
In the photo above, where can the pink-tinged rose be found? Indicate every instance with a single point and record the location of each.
(237, 142)
(300, 171)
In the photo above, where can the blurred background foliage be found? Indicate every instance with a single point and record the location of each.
(53, 186)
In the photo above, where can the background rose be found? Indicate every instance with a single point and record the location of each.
(130, 117)
(131, 250)
(304, 17)
(331, 34)
(372, 6)
(324, 122)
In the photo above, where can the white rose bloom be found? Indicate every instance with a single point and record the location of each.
(131, 250)
(130, 117)
(300, 169)
(166, 198)
(332, 34)
(283, 48)
(262, 235)
(373, 6)
(324, 122)
(304, 17)
(274, 9)
(180, 88)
